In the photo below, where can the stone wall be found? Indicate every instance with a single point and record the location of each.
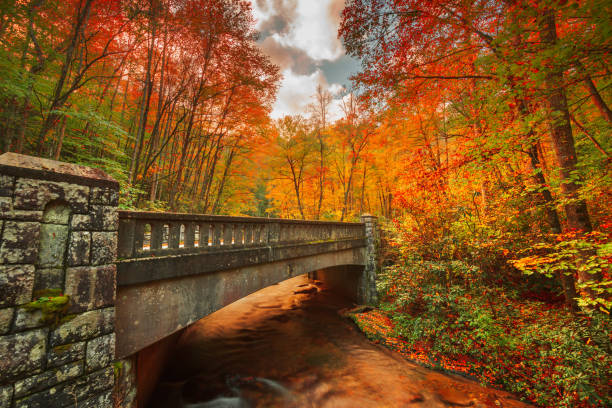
(368, 294)
(58, 226)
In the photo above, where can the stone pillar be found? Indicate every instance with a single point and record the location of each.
(368, 293)
(58, 226)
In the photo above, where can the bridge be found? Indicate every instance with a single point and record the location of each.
(128, 282)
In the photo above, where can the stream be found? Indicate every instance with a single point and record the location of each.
(289, 345)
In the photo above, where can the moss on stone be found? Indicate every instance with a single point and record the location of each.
(53, 308)
(118, 369)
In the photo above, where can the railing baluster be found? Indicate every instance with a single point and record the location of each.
(274, 232)
(189, 234)
(173, 239)
(228, 237)
(197, 235)
(138, 237)
(248, 234)
(257, 234)
(218, 235)
(238, 235)
(157, 235)
(210, 235)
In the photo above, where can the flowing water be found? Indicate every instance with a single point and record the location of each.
(289, 346)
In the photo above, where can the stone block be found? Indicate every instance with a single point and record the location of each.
(113, 197)
(47, 379)
(91, 287)
(78, 250)
(97, 381)
(100, 380)
(73, 392)
(22, 353)
(21, 215)
(53, 242)
(6, 319)
(104, 400)
(80, 222)
(28, 320)
(100, 352)
(64, 354)
(19, 242)
(84, 327)
(6, 185)
(62, 395)
(104, 218)
(6, 396)
(57, 396)
(57, 213)
(100, 195)
(48, 278)
(6, 207)
(36, 194)
(103, 247)
(16, 283)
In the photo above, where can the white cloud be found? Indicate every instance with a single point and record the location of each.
(315, 32)
(311, 25)
(297, 92)
(335, 110)
(298, 35)
(336, 89)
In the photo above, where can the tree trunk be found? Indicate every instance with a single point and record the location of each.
(561, 134)
(296, 186)
(577, 216)
(144, 108)
(321, 174)
(547, 201)
(228, 164)
(58, 100)
(598, 146)
(598, 101)
(60, 140)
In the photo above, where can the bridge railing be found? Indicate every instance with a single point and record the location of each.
(148, 234)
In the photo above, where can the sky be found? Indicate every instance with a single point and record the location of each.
(300, 36)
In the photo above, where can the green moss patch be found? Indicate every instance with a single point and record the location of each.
(53, 306)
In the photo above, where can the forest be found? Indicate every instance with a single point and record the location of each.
(477, 131)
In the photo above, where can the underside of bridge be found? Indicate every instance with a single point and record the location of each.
(152, 310)
(152, 315)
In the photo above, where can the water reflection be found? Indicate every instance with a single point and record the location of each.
(288, 346)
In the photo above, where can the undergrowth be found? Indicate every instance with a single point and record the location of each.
(437, 314)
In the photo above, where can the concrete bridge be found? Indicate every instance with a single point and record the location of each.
(131, 281)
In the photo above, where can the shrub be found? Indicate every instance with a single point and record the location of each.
(443, 310)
